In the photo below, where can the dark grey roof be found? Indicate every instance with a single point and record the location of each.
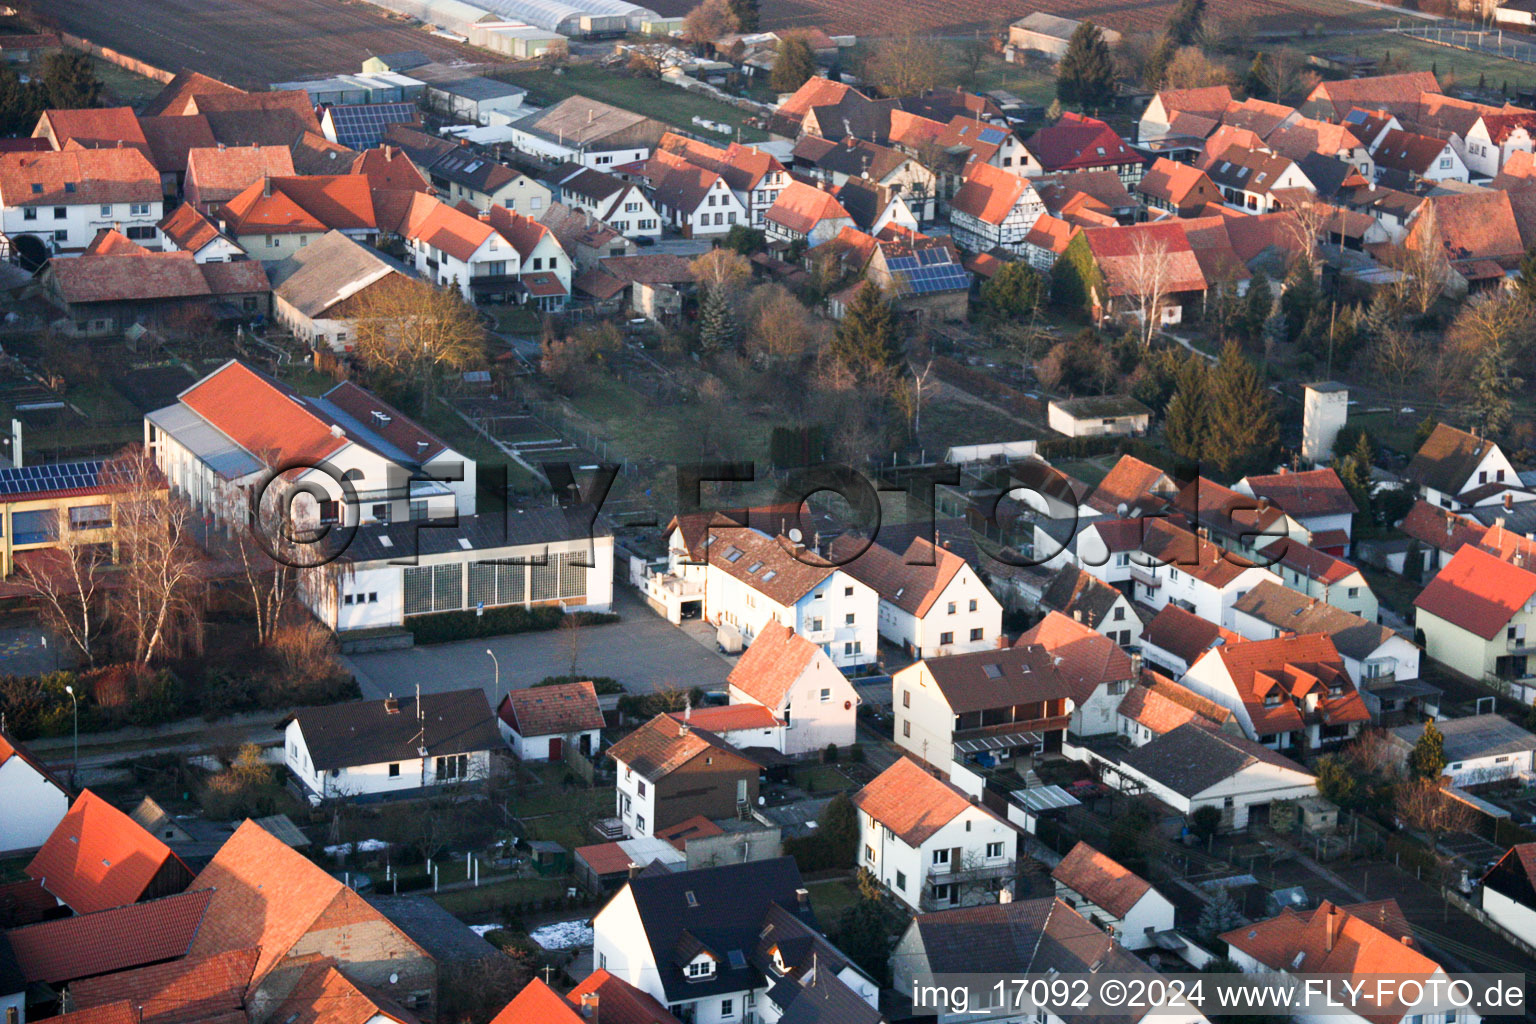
(444, 936)
(1102, 405)
(12, 980)
(1295, 612)
(863, 202)
(459, 164)
(720, 909)
(367, 732)
(824, 999)
(1474, 736)
(1519, 518)
(404, 60)
(1073, 591)
(1325, 173)
(382, 542)
(475, 88)
(1191, 759)
(952, 532)
(593, 184)
(328, 270)
(993, 679)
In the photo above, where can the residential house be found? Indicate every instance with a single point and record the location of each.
(1176, 638)
(1112, 896)
(97, 858)
(1396, 94)
(1194, 766)
(929, 844)
(932, 603)
(1289, 693)
(187, 230)
(1120, 258)
(587, 131)
(1084, 598)
(1315, 574)
(538, 1002)
(1305, 137)
(32, 799)
(1478, 234)
(1249, 178)
(461, 97)
(361, 126)
(388, 168)
(668, 771)
(994, 209)
(799, 685)
(1177, 188)
(1133, 488)
(1048, 34)
(544, 269)
(854, 159)
(805, 213)
(1509, 890)
(585, 239)
(1494, 140)
(729, 944)
(921, 276)
(788, 117)
(109, 292)
(41, 503)
(1383, 664)
(616, 1001)
(1087, 197)
(875, 207)
(171, 140)
(1315, 498)
(452, 248)
(652, 285)
(1455, 470)
(215, 175)
(1403, 158)
(607, 198)
(530, 557)
(755, 176)
(1362, 941)
(750, 728)
(271, 898)
(983, 708)
(538, 722)
(1167, 106)
(1043, 937)
(1170, 565)
(1480, 750)
(1095, 667)
(460, 173)
(1476, 616)
(275, 217)
(1078, 142)
(1247, 526)
(317, 290)
(694, 200)
(91, 128)
(1099, 416)
(225, 433)
(1157, 705)
(1440, 533)
(56, 202)
(395, 745)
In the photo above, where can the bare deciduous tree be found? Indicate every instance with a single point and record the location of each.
(66, 583)
(1425, 806)
(906, 63)
(721, 268)
(1147, 277)
(156, 601)
(708, 22)
(415, 332)
(1397, 356)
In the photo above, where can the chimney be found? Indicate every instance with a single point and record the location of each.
(1330, 928)
(1509, 502)
(803, 898)
(634, 869)
(1077, 615)
(589, 1006)
(391, 705)
(266, 186)
(1135, 665)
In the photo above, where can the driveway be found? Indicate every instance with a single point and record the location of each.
(642, 651)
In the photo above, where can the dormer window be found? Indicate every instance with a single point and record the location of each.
(702, 967)
(1272, 699)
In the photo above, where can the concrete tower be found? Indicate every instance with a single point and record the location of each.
(1323, 415)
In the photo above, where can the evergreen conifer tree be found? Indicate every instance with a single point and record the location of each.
(1242, 420)
(1086, 75)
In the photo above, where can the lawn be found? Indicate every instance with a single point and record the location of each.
(123, 86)
(1419, 55)
(821, 778)
(647, 96)
(466, 903)
(830, 898)
(949, 420)
(629, 421)
(553, 810)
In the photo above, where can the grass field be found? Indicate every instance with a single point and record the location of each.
(473, 902)
(123, 86)
(646, 96)
(629, 420)
(1462, 66)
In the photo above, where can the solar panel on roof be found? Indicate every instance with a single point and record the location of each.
(56, 477)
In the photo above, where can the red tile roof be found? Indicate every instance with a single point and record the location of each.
(537, 1003)
(98, 857)
(1391, 92)
(1088, 658)
(990, 193)
(262, 416)
(110, 241)
(618, 1001)
(1184, 634)
(800, 207)
(662, 746)
(268, 896)
(1274, 677)
(443, 227)
(127, 276)
(179, 93)
(188, 229)
(1134, 484)
(1470, 226)
(323, 995)
(911, 581)
(172, 139)
(78, 177)
(1478, 592)
(769, 667)
(178, 992)
(696, 827)
(93, 128)
(394, 426)
(730, 718)
(551, 710)
(1100, 879)
(912, 803)
(524, 233)
(1076, 141)
(1157, 711)
(112, 1013)
(1172, 182)
(106, 941)
(1116, 252)
(1312, 492)
(816, 92)
(220, 173)
(1210, 99)
(387, 167)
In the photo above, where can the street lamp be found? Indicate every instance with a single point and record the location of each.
(75, 705)
(498, 675)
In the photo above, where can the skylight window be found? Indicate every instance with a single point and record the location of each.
(770, 574)
(737, 960)
(993, 671)
(733, 555)
(693, 900)
(754, 566)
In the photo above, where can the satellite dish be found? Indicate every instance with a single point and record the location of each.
(394, 978)
(795, 535)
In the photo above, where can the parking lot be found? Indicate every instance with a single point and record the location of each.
(642, 651)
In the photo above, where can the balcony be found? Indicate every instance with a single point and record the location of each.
(1147, 577)
(1520, 645)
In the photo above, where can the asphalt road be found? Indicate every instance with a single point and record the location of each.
(642, 651)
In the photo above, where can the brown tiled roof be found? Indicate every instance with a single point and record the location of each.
(1447, 459)
(267, 896)
(911, 581)
(221, 173)
(142, 276)
(323, 995)
(97, 857)
(400, 430)
(1101, 880)
(1389, 92)
(1290, 668)
(179, 992)
(816, 92)
(1023, 674)
(1294, 612)
(800, 207)
(1211, 100)
(1477, 591)
(729, 718)
(178, 95)
(662, 746)
(774, 567)
(1184, 634)
(1134, 484)
(696, 827)
(1157, 711)
(387, 167)
(552, 710)
(236, 277)
(112, 1013)
(649, 268)
(1408, 152)
(742, 167)
(313, 153)
(1080, 596)
(296, 100)
(172, 139)
(989, 193)
(110, 242)
(522, 232)
(1114, 250)
(1077, 141)
(1312, 492)
(618, 1001)
(93, 128)
(1085, 657)
(912, 803)
(444, 227)
(769, 667)
(78, 176)
(1472, 226)
(1170, 181)
(116, 939)
(1192, 554)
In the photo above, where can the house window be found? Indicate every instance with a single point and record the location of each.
(976, 634)
(869, 853)
(1117, 687)
(901, 880)
(106, 209)
(906, 698)
(994, 850)
(701, 969)
(951, 609)
(1119, 615)
(848, 619)
(142, 233)
(451, 768)
(138, 209)
(727, 1008)
(1354, 591)
(394, 770)
(856, 647)
(946, 638)
(941, 857)
(973, 604)
(906, 728)
(61, 235)
(29, 213)
(826, 694)
(847, 591)
(640, 788)
(60, 212)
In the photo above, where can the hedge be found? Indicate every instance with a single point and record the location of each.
(445, 627)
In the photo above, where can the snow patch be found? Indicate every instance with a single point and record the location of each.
(563, 935)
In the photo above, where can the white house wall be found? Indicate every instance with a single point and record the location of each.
(31, 805)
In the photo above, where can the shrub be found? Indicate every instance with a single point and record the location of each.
(856, 753)
(445, 627)
(602, 684)
(248, 788)
(829, 756)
